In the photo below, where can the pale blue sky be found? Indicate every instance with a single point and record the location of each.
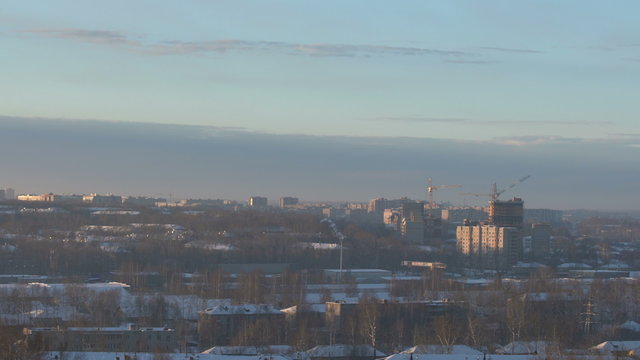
(325, 100)
(439, 69)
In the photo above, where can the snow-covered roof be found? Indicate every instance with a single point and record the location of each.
(107, 228)
(630, 325)
(340, 350)
(163, 226)
(205, 245)
(319, 246)
(151, 356)
(534, 265)
(475, 281)
(615, 266)
(115, 212)
(526, 347)
(316, 308)
(402, 278)
(609, 346)
(545, 296)
(359, 271)
(440, 349)
(128, 327)
(112, 285)
(246, 309)
(567, 266)
(411, 356)
(249, 350)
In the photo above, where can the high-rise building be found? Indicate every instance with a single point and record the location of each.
(489, 246)
(413, 211)
(506, 213)
(392, 218)
(377, 205)
(540, 240)
(257, 201)
(497, 244)
(7, 194)
(287, 201)
(412, 225)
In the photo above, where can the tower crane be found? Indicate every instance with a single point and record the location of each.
(430, 190)
(495, 193)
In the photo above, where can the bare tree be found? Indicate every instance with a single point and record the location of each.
(368, 310)
(515, 317)
(448, 331)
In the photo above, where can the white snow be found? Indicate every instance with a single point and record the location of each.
(526, 348)
(440, 349)
(249, 350)
(609, 346)
(151, 356)
(343, 351)
(630, 325)
(576, 266)
(247, 309)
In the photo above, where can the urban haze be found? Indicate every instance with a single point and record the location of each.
(335, 180)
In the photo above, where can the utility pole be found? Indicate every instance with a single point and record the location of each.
(588, 317)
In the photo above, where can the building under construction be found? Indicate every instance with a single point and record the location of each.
(509, 213)
(496, 244)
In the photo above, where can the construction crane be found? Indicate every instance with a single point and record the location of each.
(495, 193)
(430, 190)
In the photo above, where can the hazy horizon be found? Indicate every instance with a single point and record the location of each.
(67, 156)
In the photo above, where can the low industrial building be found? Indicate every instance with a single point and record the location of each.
(130, 338)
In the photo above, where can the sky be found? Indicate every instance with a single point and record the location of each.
(378, 89)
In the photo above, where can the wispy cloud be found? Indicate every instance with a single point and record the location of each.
(84, 35)
(533, 140)
(544, 122)
(221, 46)
(418, 119)
(355, 50)
(472, 62)
(511, 50)
(626, 135)
(466, 121)
(177, 47)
